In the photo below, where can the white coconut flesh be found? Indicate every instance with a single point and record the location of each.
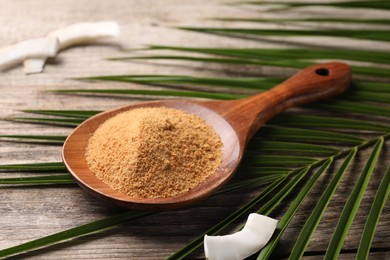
(254, 236)
(34, 52)
(40, 48)
(33, 65)
(82, 33)
(76, 34)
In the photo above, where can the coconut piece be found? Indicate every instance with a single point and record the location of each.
(42, 48)
(80, 33)
(33, 65)
(254, 236)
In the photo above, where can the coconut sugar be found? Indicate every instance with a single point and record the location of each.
(154, 152)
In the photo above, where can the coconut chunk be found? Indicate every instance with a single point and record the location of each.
(254, 236)
(33, 65)
(41, 48)
(76, 34)
(81, 33)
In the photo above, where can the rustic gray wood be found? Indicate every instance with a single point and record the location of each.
(28, 213)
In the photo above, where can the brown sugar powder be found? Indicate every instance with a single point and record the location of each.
(154, 152)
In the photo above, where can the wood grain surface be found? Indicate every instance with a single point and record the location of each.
(28, 213)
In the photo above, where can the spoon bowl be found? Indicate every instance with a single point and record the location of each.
(234, 121)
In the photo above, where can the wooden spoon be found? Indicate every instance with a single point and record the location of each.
(234, 121)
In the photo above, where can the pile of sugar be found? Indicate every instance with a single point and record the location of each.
(154, 152)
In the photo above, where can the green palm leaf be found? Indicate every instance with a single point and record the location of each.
(286, 53)
(371, 86)
(287, 63)
(319, 19)
(34, 167)
(291, 147)
(72, 233)
(377, 35)
(283, 223)
(356, 107)
(179, 80)
(368, 96)
(373, 217)
(64, 113)
(281, 160)
(326, 122)
(196, 243)
(39, 180)
(273, 202)
(102, 224)
(163, 93)
(307, 135)
(70, 122)
(380, 4)
(43, 139)
(314, 219)
(352, 205)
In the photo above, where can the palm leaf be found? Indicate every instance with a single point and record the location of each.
(72, 233)
(380, 4)
(373, 217)
(281, 160)
(64, 113)
(352, 205)
(312, 222)
(307, 135)
(43, 139)
(376, 35)
(251, 183)
(283, 223)
(260, 83)
(287, 63)
(286, 57)
(273, 202)
(141, 92)
(368, 96)
(290, 53)
(105, 223)
(326, 122)
(34, 167)
(180, 80)
(319, 19)
(356, 107)
(196, 243)
(371, 86)
(70, 122)
(39, 180)
(291, 147)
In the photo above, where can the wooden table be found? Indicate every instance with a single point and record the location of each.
(28, 213)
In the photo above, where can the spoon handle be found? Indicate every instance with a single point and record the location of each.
(314, 83)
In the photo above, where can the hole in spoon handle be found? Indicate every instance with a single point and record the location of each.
(322, 72)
